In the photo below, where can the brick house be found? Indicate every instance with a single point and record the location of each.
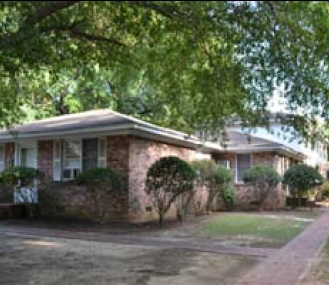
(64, 146)
(244, 150)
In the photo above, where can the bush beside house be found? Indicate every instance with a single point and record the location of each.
(102, 185)
(264, 179)
(167, 180)
(300, 178)
(216, 180)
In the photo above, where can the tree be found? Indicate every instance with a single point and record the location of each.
(201, 61)
(167, 179)
(300, 178)
(215, 178)
(103, 188)
(264, 179)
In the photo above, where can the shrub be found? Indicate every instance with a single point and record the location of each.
(167, 179)
(20, 176)
(264, 179)
(324, 190)
(102, 186)
(13, 179)
(300, 178)
(214, 177)
(228, 196)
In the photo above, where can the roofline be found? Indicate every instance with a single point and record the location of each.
(147, 131)
(281, 149)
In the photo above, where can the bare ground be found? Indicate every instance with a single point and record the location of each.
(26, 260)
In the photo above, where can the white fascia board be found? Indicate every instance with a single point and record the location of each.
(123, 129)
(283, 150)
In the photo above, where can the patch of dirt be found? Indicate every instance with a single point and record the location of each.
(50, 261)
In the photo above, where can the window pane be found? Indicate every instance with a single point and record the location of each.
(73, 149)
(243, 164)
(2, 153)
(225, 163)
(23, 156)
(102, 147)
(89, 154)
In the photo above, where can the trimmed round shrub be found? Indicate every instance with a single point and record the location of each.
(300, 178)
(264, 179)
(167, 179)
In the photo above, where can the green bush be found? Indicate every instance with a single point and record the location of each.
(167, 179)
(215, 177)
(324, 190)
(300, 178)
(104, 177)
(102, 186)
(264, 179)
(20, 176)
(228, 196)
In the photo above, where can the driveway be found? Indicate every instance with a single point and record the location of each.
(40, 260)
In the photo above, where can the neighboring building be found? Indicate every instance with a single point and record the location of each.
(316, 154)
(242, 151)
(64, 146)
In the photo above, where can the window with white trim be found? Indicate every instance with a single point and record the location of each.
(72, 159)
(102, 153)
(225, 163)
(2, 158)
(242, 164)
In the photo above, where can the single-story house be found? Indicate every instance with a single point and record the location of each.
(244, 150)
(64, 146)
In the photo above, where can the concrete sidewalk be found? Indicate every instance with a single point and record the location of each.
(288, 264)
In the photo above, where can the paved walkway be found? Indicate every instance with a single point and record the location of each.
(139, 239)
(287, 265)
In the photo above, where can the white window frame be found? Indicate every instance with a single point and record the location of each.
(102, 159)
(64, 159)
(236, 166)
(3, 160)
(57, 160)
(225, 162)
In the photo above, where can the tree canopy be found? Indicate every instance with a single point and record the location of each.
(176, 63)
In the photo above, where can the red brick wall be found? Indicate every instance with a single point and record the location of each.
(9, 154)
(131, 157)
(143, 153)
(45, 157)
(118, 160)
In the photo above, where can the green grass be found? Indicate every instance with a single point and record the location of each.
(279, 229)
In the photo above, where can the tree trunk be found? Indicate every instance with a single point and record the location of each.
(161, 219)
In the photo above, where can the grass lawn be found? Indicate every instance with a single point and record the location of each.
(258, 229)
(319, 273)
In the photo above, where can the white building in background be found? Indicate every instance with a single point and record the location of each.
(317, 154)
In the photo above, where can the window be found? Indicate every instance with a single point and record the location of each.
(72, 159)
(225, 163)
(102, 157)
(242, 164)
(89, 154)
(2, 158)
